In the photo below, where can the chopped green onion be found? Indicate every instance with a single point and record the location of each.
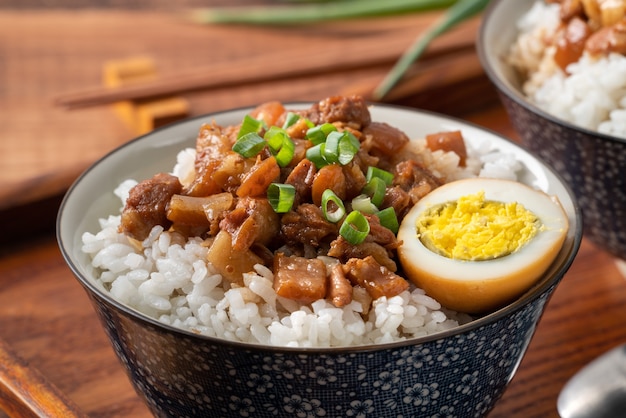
(281, 197)
(281, 145)
(364, 204)
(315, 154)
(329, 197)
(380, 173)
(341, 147)
(274, 137)
(355, 228)
(331, 149)
(250, 124)
(388, 219)
(318, 134)
(338, 148)
(375, 189)
(290, 119)
(286, 152)
(348, 147)
(249, 145)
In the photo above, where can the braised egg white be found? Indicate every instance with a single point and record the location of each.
(475, 244)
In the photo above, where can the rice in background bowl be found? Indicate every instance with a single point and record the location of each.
(591, 158)
(459, 372)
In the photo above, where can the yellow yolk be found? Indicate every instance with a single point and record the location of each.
(476, 244)
(472, 228)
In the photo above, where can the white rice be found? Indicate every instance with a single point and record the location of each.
(593, 92)
(169, 279)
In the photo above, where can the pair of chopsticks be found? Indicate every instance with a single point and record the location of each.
(352, 54)
(444, 45)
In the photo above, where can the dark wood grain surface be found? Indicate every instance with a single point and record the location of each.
(45, 316)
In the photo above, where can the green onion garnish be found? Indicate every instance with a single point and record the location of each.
(281, 145)
(318, 134)
(315, 155)
(290, 119)
(249, 145)
(364, 204)
(355, 228)
(388, 219)
(380, 173)
(341, 147)
(281, 197)
(331, 150)
(375, 189)
(250, 124)
(348, 147)
(329, 197)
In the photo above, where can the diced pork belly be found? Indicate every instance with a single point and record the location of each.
(376, 279)
(298, 278)
(344, 251)
(415, 179)
(146, 205)
(252, 221)
(301, 178)
(382, 138)
(340, 288)
(306, 225)
(398, 199)
(228, 262)
(448, 141)
(351, 111)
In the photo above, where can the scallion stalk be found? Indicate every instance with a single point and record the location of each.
(248, 125)
(457, 13)
(375, 189)
(364, 204)
(385, 175)
(355, 228)
(330, 198)
(388, 219)
(280, 144)
(348, 147)
(318, 134)
(341, 147)
(249, 145)
(315, 154)
(309, 13)
(290, 119)
(281, 197)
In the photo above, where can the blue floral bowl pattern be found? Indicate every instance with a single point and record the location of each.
(459, 375)
(461, 372)
(593, 164)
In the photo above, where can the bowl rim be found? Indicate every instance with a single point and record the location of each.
(528, 297)
(506, 87)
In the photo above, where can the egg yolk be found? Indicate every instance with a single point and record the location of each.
(477, 244)
(473, 228)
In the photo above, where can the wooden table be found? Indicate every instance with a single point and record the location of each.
(46, 317)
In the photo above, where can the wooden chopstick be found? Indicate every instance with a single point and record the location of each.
(348, 55)
(24, 392)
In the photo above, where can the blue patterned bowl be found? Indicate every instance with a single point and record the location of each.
(461, 372)
(592, 164)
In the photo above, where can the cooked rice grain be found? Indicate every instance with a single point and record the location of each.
(593, 93)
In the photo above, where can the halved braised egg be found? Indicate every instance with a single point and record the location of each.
(476, 244)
